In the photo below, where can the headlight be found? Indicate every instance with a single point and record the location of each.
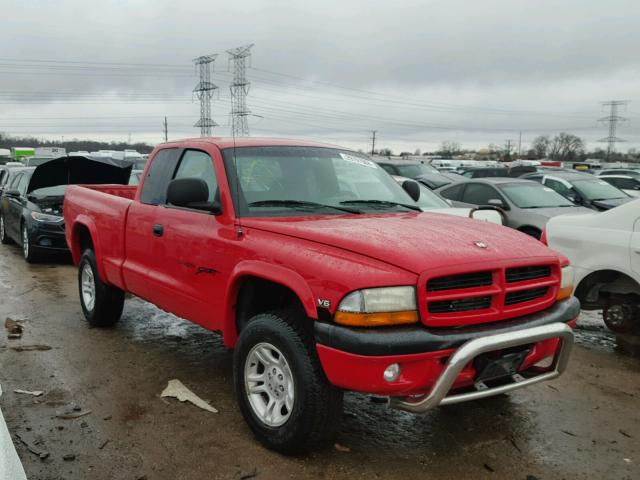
(566, 283)
(374, 307)
(44, 217)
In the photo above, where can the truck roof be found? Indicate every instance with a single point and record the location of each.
(229, 142)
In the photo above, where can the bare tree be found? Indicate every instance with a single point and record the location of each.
(566, 146)
(448, 149)
(540, 146)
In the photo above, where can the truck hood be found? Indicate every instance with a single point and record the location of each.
(79, 170)
(412, 241)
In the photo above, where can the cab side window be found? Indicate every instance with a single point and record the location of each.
(154, 187)
(198, 164)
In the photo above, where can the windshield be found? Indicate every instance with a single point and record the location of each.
(55, 191)
(284, 181)
(597, 190)
(533, 195)
(414, 170)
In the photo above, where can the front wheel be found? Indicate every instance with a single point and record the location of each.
(102, 304)
(4, 238)
(620, 315)
(281, 389)
(28, 252)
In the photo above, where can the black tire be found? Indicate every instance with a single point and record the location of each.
(4, 238)
(621, 315)
(108, 301)
(28, 251)
(317, 406)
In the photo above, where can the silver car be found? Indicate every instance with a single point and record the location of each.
(527, 204)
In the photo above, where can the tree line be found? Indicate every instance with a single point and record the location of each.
(10, 141)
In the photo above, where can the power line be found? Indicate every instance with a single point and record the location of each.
(612, 119)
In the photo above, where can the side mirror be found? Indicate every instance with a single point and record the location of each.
(575, 198)
(12, 193)
(412, 188)
(191, 193)
(489, 213)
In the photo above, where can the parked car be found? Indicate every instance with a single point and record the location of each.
(436, 180)
(135, 177)
(527, 205)
(321, 272)
(484, 172)
(405, 168)
(634, 172)
(604, 249)
(628, 184)
(583, 189)
(31, 206)
(430, 202)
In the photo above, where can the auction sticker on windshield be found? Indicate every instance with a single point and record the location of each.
(358, 160)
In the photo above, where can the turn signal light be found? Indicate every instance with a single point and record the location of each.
(356, 319)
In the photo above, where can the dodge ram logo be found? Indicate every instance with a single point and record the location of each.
(480, 244)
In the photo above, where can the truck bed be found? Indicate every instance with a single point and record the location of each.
(102, 210)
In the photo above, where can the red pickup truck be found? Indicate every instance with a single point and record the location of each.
(323, 275)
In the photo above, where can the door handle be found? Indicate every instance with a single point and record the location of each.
(158, 230)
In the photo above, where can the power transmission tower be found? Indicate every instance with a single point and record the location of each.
(373, 141)
(204, 92)
(612, 119)
(166, 130)
(239, 90)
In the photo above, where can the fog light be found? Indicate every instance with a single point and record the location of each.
(45, 242)
(392, 372)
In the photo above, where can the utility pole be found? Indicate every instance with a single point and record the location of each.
(508, 146)
(204, 91)
(239, 90)
(166, 130)
(373, 141)
(612, 119)
(520, 145)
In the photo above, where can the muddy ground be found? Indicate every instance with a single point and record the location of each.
(584, 425)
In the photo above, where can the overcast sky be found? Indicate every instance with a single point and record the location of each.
(418, 72)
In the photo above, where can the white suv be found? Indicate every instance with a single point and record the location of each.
(604, 249)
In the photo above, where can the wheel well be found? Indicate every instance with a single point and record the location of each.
(83, 238)
(597, 287)
(257, 295)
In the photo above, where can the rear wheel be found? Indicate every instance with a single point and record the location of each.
(102, 304)
(4, 238)
(281, 389)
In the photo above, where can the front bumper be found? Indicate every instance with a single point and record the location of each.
(437, 361)
(48, 236)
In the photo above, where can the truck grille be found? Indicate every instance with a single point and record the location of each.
(527, 273)
(525, 295)
(454, 282)
(460, 305)
(493, 294)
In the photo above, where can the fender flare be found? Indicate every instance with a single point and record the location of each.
(86, 222)
(267, 271)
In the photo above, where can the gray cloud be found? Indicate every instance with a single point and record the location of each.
(419, 72)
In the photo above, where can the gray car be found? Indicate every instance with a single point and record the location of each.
(527, 204)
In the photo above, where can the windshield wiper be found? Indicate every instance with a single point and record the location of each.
(299, 203)
(385, 203)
